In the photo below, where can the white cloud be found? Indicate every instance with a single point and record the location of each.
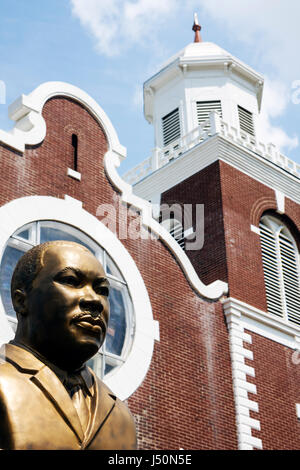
(275, 101)
(118, 24)
(269, 27)
(138, 96)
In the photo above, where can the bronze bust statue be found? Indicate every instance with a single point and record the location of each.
(49, 398)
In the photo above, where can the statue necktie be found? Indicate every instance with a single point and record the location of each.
(77, 390)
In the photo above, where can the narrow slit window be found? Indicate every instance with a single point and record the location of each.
(75, 151)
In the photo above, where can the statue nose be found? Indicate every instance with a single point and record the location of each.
(94, 307)
(89, 294)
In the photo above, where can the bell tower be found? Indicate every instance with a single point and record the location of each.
(204, 106)
(200, 79)
(210, 152)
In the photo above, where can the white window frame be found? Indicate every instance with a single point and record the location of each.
(23, 244)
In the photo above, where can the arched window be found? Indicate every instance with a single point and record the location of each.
(280, 256)
(121, 324)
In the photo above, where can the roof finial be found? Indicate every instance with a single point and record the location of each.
(197, 29)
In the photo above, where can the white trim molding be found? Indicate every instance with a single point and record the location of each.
(241, 386)
(235, 154)
(263, 323)
(20, 212)
(280, 200)
(74, 174)
(240, 317)
(30, 126)
(255, 229)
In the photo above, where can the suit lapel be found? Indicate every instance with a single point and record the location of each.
(54, 390)
(44, 378)
(103, 405)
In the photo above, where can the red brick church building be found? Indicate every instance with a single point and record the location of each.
(200, 243)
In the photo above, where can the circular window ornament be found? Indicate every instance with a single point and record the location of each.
(126, 378)
(116, 347)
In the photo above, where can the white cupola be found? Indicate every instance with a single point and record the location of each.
(199, 79)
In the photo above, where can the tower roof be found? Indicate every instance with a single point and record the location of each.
(197, 53)
(198, 56)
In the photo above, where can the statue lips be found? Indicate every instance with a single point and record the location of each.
(92, 324)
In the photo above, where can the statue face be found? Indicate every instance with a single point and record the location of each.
(68, 308)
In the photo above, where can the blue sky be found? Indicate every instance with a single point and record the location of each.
(110, 47)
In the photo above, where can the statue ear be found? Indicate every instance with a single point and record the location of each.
(20, 302)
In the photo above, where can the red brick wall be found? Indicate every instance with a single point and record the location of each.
(205, 188)
(277, 380)
(186, 400)
(233, 202)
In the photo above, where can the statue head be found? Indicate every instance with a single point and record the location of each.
(60, 294)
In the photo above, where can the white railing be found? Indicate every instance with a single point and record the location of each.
(268, 151)
(139, 172)
(214, 125)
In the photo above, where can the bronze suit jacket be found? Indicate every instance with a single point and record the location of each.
(37, 413)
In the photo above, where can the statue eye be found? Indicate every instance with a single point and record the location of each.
(70, 280)
(102, 290)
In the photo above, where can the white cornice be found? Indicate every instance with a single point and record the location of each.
(200, 57)
(211, 150)
(30, 127)
(263, 323)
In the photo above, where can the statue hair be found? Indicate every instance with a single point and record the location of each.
(30, 264)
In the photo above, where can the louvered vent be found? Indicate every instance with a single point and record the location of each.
(204, 108)
(246, 121)
(290, 271)
(177, 232)
(271, 271)
(171, 127)
(281, 270)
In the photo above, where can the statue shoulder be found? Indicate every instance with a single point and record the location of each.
(7, 372)
(120, 419)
